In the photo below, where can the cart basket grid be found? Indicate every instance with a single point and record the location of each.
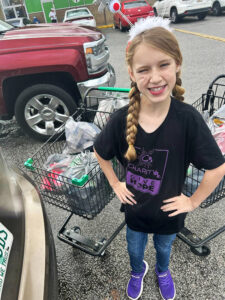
(211, 102)
(86, 196)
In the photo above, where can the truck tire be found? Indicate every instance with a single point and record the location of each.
(155, 12)
(202, 16)
(41, 109)
(174, 16)
(217, 9)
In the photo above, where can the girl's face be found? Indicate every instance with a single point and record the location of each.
(154, 72)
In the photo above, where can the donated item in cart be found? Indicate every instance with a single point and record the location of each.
(207, 105)
(55, 171)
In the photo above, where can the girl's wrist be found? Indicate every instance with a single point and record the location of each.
(114, 183)
(194, 203)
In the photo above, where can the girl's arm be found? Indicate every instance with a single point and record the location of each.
(124, 195)
(182, 203)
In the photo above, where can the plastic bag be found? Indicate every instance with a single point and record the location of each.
(82, 164)
(85, 199)
(219, 135)
(106, 107)
(79, 135)
(216, 120)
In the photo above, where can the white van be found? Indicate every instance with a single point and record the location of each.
(178, 9)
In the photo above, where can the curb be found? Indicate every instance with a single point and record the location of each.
(106, 26)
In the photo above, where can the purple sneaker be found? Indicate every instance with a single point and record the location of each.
(135, 284)
(166, 285)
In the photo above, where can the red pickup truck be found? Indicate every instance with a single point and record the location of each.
(45, 71)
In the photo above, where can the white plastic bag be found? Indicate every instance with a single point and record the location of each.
(217, 119)
(79, 135)
(106, 107)
(81, 164)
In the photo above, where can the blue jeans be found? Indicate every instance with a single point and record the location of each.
(136, 243)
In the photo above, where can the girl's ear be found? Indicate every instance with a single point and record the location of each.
(178, 68)
(130, 72)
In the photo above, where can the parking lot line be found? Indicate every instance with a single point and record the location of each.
(212, 37)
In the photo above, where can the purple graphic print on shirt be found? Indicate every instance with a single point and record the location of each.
(146, 173)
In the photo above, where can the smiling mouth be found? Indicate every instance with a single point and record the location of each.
(157, 90)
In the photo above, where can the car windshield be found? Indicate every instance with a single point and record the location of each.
(128, 5)
(75, 13)
(14, 22)
(5, 27)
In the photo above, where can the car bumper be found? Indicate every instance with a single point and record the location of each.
(194, 12)
(108, 79)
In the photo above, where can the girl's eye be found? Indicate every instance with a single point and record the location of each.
(164, 65)
(142, 71)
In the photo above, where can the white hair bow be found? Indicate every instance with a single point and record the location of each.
(146, 24)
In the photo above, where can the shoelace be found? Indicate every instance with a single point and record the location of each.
(135, 282)
(164, 280)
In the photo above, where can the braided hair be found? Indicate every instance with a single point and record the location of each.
(132, 121)
(163, 40)
(178, 90)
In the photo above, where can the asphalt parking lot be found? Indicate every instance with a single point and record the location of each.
(84, 277)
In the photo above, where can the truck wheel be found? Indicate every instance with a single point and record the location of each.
(216, 9)
(174, 16)
(202, 16)
(41, 109)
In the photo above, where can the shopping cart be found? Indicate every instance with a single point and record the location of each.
(85, 197)
(58, 195)
(210, 102)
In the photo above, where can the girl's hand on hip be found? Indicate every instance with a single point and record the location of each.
(124, 195)
(179, 204)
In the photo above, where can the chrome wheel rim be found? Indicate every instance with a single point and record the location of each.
(45, 114)
(173, 16)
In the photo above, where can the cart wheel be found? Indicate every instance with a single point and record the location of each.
(102, 242)
(201, 251)
(76, 229)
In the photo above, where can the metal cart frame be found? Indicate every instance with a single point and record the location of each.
(211, 101)
(55, 190)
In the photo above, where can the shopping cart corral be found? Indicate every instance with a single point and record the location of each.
(87, 196)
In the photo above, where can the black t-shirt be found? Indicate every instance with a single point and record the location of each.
(162, 161)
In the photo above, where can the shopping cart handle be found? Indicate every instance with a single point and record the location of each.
(29, 164)
(80, 181)
(113, 89)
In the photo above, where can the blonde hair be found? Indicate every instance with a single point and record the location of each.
(165, 41)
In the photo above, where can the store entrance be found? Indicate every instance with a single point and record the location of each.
(46, 7)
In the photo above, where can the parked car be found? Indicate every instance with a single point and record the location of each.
(81, 15)
(19, 22)
(28, 267)
(45, 70)
(178, 9)
(133, 10)
(218, 6)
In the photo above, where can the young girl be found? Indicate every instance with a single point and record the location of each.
(155, 139)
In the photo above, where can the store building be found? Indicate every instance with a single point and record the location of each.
(12, 9)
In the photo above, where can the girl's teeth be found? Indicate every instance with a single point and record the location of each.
(156, 89)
